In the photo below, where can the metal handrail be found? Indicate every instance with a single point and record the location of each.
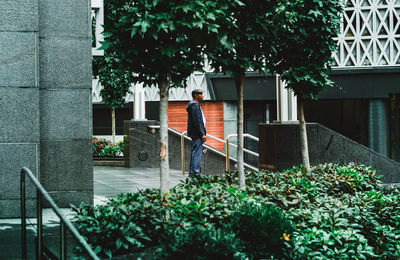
(64, 222)
(244, 149)
(225, 142)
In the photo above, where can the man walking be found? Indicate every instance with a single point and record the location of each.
(196, 129)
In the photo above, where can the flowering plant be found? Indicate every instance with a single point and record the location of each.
(104, 148)
(123, 147)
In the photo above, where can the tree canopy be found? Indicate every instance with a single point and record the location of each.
(115, 80)
(303, 44)
(244, 43)
(161, 39)
(245, 38)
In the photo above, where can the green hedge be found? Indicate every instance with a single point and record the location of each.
(336, 211)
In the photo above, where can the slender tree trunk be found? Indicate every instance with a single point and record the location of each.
(303, 135)
(164, 164)
(239, 81)
(113, 125)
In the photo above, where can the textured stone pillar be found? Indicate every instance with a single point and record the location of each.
(19, 101)
(378, 126)
(66, 166)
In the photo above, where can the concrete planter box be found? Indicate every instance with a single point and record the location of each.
(103, 161)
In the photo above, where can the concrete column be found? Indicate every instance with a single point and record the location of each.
(139, 107)
(45, 101)
(19, 101)
(286, 102)
(66, 163)
(378, 126)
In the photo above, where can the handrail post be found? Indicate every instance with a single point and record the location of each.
(182, 154)
(227, 162)
(39, 224)
(63, 241)
(23, 217)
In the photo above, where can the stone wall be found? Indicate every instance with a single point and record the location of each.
(45, 106)
(280, 149)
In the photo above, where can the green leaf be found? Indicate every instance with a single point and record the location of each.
(119, 243)
(144, 26)
(133, 32)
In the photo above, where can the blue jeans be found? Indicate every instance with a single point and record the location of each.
(197, 149)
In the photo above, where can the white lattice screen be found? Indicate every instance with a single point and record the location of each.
(369, 34)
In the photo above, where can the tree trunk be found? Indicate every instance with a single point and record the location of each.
(164, 164)
(113, 125)
(303, 135)
(239, 81)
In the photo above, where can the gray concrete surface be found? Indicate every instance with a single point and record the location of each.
(45, 99)
(111, 181)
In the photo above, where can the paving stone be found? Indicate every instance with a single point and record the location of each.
(109, 182)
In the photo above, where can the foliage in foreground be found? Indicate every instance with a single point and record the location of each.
(335, 211)
(198, 242)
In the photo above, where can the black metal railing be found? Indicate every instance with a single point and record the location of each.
(64, 222)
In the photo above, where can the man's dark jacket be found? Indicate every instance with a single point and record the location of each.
(195, 124)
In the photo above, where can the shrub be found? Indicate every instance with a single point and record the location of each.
(111, 151)
(104, 148)
(98, 146)
(156, 218)
(123, 147)
(263, 229)
(198, 242)
(338, 211)
(107, 230)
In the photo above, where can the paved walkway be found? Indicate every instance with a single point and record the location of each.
(111, 181)
(108, 182)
